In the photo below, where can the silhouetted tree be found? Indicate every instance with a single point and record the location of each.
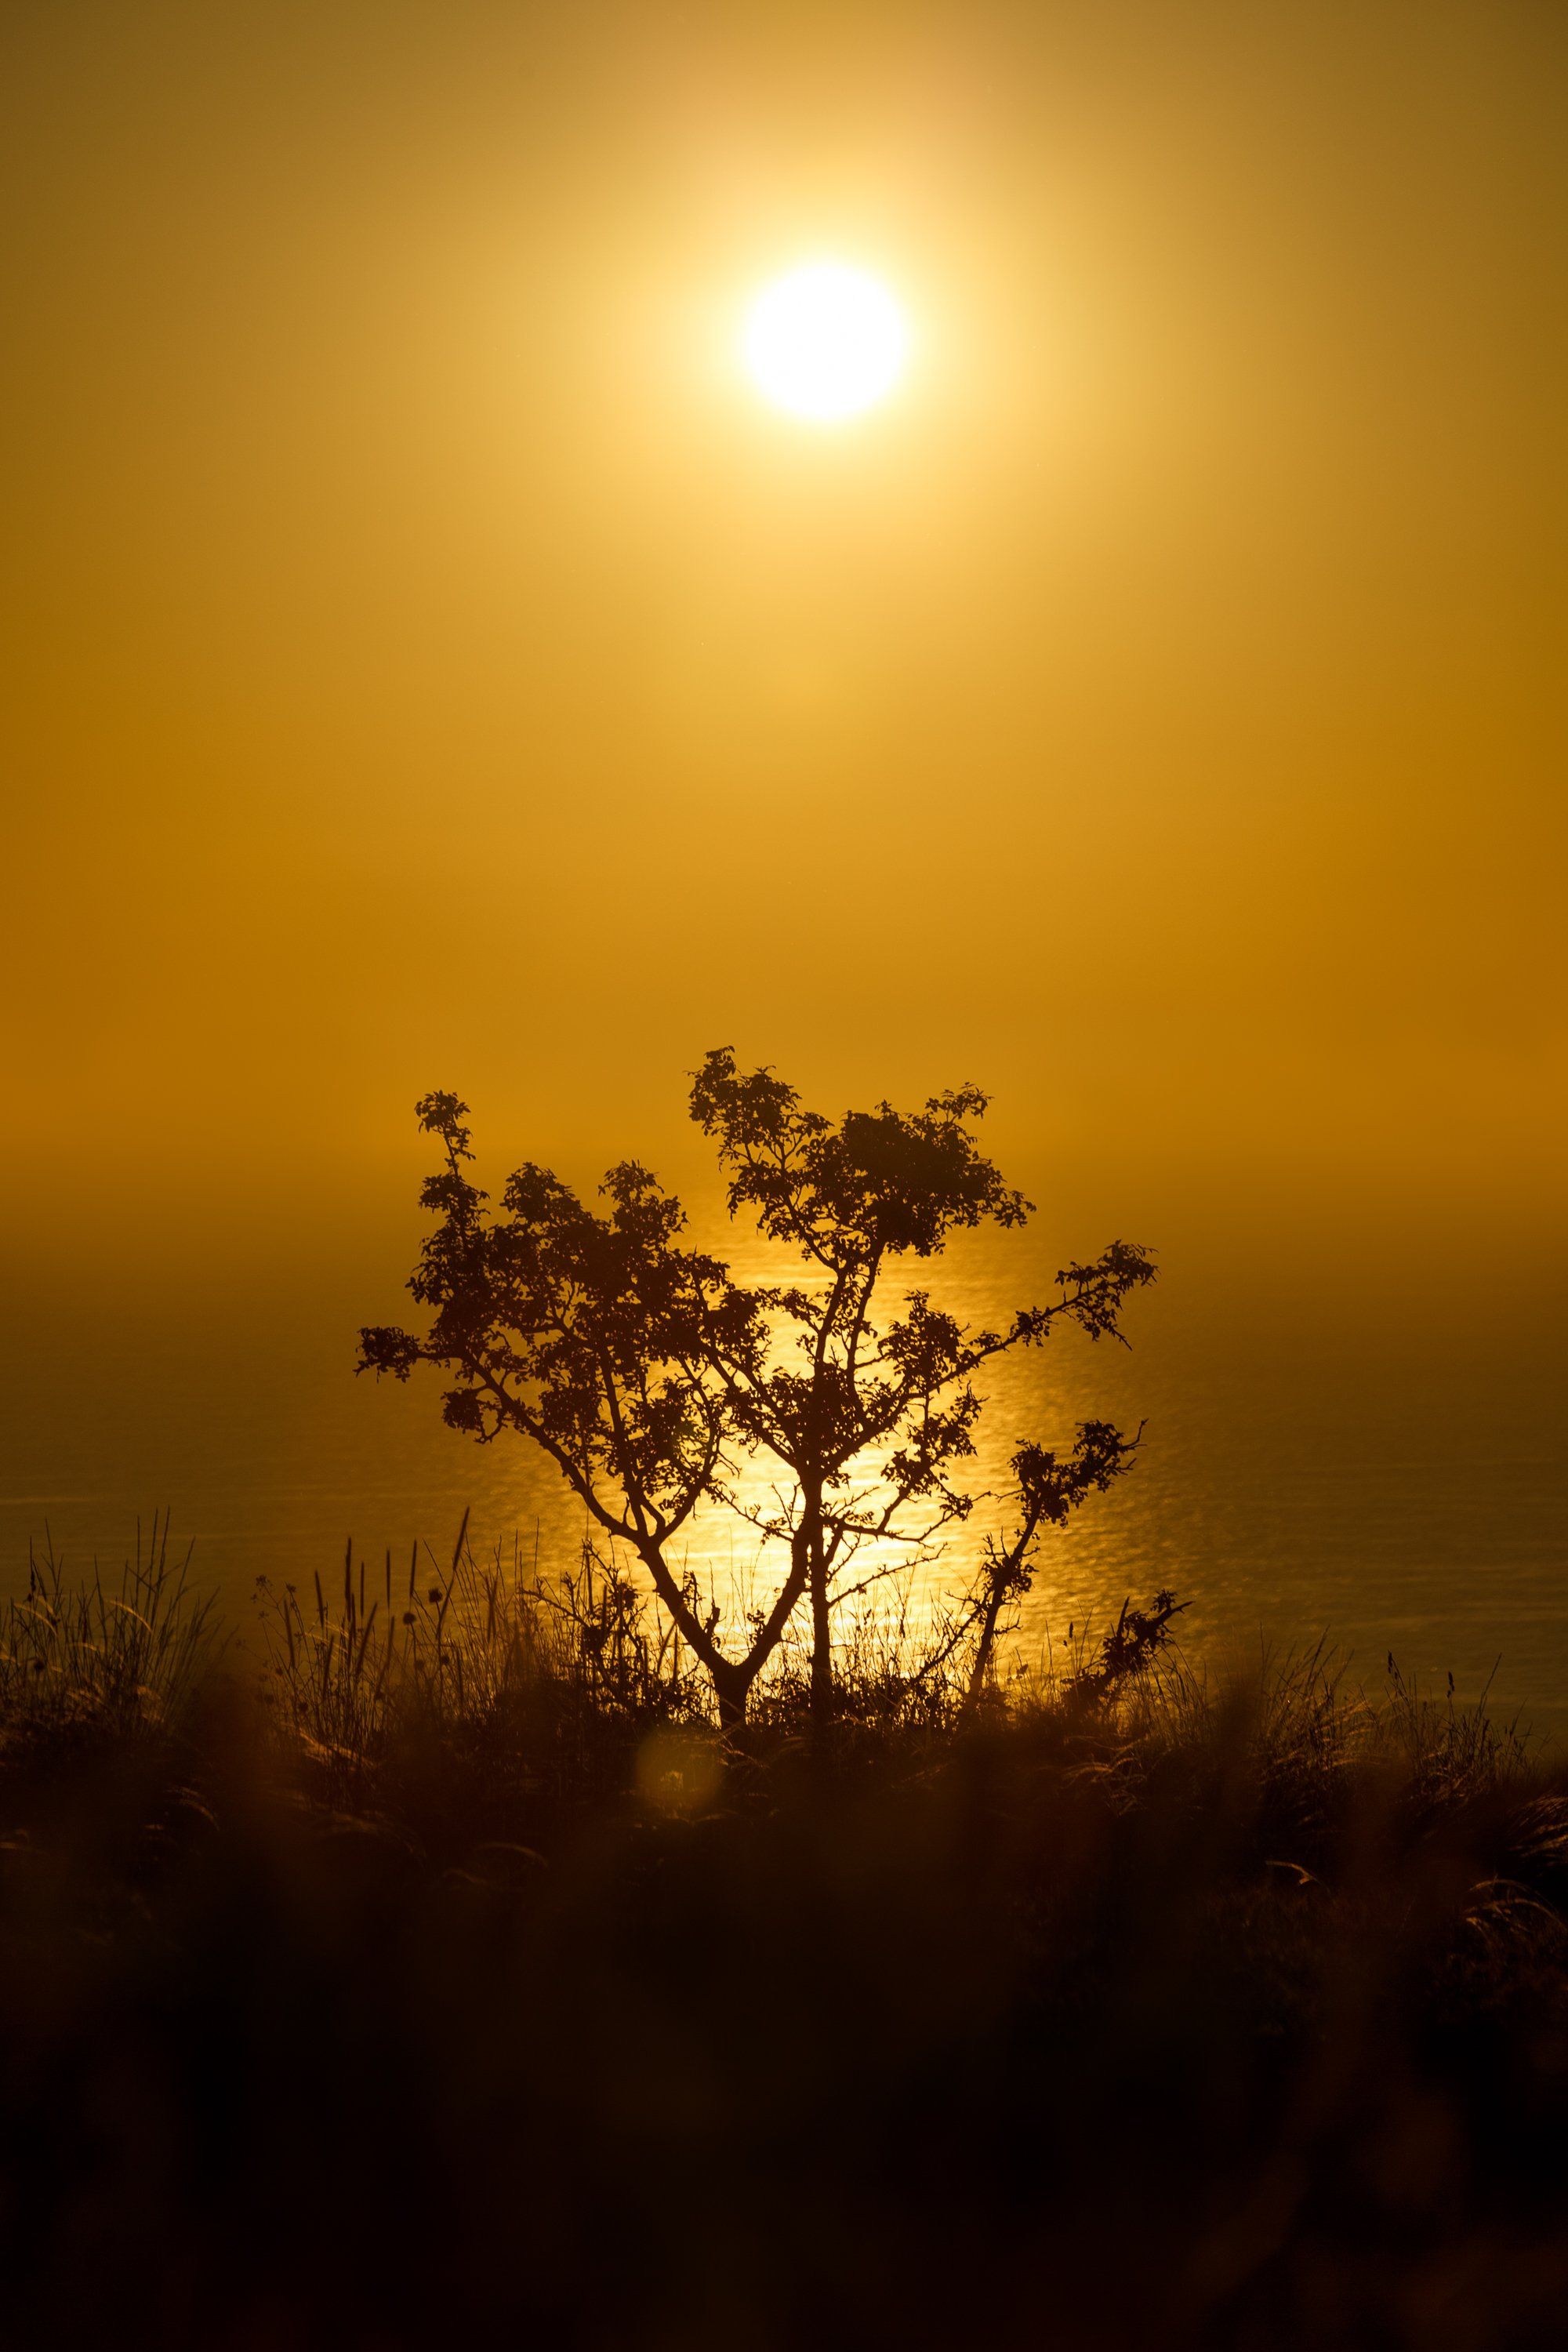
(654, 1380)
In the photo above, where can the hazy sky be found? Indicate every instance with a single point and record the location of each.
(428, 663)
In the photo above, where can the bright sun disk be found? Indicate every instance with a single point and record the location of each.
(826, 342)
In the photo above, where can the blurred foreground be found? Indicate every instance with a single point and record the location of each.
(468, 1988)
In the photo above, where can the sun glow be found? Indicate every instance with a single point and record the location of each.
(826, 342)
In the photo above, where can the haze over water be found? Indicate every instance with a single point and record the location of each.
(1378, 1458)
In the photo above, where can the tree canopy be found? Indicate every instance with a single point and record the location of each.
(658, 1383)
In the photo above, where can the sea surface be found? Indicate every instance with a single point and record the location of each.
(1375, 1459)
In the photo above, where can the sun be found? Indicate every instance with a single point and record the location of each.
(826, 342)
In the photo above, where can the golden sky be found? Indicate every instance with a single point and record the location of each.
(428, 664)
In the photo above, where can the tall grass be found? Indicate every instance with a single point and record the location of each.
(122, 1656)
(494, 1647)
(487, 1665)
(1308, 1723)
(482, 1658)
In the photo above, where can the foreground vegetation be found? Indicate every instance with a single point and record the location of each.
(426, 1967)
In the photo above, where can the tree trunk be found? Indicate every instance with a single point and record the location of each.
(732, 1678)
(985, 1645)
(732, 1687)
(821, 1634)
